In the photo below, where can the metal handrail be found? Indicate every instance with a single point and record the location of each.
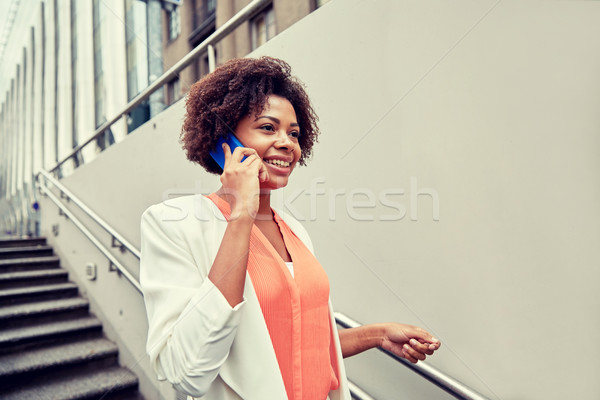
(242, 16)
(433, 375)
(91, 237)
(357, 393)
(70, 196)
(448, 384)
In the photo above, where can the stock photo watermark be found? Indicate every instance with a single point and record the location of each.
(320, 201)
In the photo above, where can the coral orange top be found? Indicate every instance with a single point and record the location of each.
(295, 309)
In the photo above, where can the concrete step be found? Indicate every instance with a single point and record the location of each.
(50, 346)
(43, 364)
(29, 263)
(37, 293)
(17, 279)
(25, 252)
(19, 338)
(43, 311)
(108, 383)
(22, 242)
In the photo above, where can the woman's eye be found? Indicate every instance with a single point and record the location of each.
(294, 134)
(267, 128)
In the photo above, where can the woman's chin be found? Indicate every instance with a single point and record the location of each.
(274, 184)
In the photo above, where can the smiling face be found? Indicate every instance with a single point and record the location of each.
(273, 133)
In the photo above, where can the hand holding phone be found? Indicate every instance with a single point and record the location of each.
(239, 180)
(218, 154)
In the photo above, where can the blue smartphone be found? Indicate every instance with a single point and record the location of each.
(219, 155)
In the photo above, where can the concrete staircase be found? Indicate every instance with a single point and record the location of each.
(51, 347)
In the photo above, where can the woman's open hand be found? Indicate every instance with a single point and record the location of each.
(241, 180)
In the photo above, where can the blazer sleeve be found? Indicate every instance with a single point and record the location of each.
(191, 326)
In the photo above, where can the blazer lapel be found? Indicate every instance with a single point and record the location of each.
(252, 360)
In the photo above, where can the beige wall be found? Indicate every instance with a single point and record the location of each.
(489, 109)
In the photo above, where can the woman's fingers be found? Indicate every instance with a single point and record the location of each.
(410, 342)
(248, 157)
(227, 152)
(423, 337)
(421, 347)
(263, 174)
(254, 160)
(240, 152)
(411, 354)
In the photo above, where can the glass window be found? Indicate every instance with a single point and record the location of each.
(98, 14)
(174, 91)
(211, 6)
(56, 69)
(137, 51)
(136, 21)
(263, 28)
(205, 9)
(77, 160)
(99, 100)
(43, 84)
(174, 23)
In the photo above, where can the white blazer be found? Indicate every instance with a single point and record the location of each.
(195, 339)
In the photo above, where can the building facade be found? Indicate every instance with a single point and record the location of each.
(72, 66)
(189, 24)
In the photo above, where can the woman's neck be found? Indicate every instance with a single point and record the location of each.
(264, 206)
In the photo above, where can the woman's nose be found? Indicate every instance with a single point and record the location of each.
(284, 141)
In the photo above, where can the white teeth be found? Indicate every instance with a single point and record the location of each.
(278, 163)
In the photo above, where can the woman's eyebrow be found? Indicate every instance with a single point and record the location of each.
(276, 120)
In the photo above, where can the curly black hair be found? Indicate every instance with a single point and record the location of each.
(216, 103)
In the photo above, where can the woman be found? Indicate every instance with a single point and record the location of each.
(238, 306)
